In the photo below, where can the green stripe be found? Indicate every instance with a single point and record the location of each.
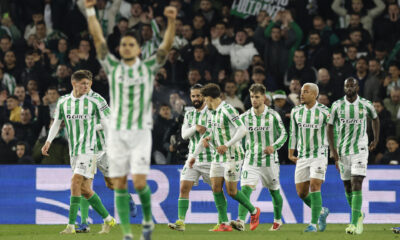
(69, 128)
(77, 127)
(197, 134)
(308, 135)
(252, 141)
(359, 126)
(141, 107)
(316, 145)
(343, 126)
(113, 86)
(351, 130)
(121, 101)
(85, 124)
(131, 105)
(260, 147)
(267, 137)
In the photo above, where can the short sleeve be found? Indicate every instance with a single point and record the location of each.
(371, 111)
(152, 64)
(333, 114)
(233, 116)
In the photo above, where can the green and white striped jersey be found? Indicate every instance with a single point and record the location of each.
(149, 47)
(262, 131)
(350, 120)
(193, 118)
(8, 82)
(131, 89)
(308, 130)
(222, 126)
(80, 116)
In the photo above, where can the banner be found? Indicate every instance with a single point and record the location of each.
(40, 195)
(246, 8)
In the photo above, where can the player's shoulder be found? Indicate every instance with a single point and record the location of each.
(245, 114)
(65, 97)
(338, 102)
(95, 97)
(273, 112)
(297, 108)
(322, 107)
(365, 101)
(226, 106)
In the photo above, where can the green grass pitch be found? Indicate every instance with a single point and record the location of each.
(199, 232)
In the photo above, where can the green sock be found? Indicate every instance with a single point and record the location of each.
(84, 206)
(356, 204)
(220, 203)
(122, 202)
(316, 206)
(183, 205)
(245, 201)
(145, 199)
(307, 200)
(73, 209)
(277, 201)
(246, 190)
(98, 206)
(349, 197)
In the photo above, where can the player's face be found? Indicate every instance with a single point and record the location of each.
(307, 95)
(208, 101)
(257, 99)
(82, 87)
(129, 48)
(350, 88)
(197, 98)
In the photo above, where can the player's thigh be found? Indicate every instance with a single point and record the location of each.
(344, 164)
(85, 165)
(217, 170)
(232, 171)
(118, 154)
(190, 174)
(270, 176)
(141, 152)
(250, 175)
(318, 168)
(359, 163)
(204, 170)
(103, 164)
(302, 172)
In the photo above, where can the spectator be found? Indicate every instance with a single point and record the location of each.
(351, 55)
(150, 38)
(392, 156)
(5, 45)
(328, 36)
(300, 70)
(163, 121)
(392, 104)
(42, 31)
(113, 39)
(324, 99)
(87, 60)
(177, 104)
(136, 12)
(62, 79)
(23, 154)
(13, 108)
(62, 50)
(50, 100)
(241, 52)
(381, 54)
(355, 38)
(372, 87)
(357, 6)
(200, 27)
(361, 73)
(23, 98)
(393, 78)
(387, 128)
(295, 88)
(201, 63)
(10, 65)
(355, 24)
(259, 76)
(8, 145)
(387, 28)
(327, 86)
(9, 27)
(7, 82)
(37, 16)
(209, 13)
(242, 84)
(340, 70)
(283, 106)
(230, 95)
(316, 54)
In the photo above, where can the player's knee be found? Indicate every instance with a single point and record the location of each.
(184, 191)
(302, 194)
(232, 192)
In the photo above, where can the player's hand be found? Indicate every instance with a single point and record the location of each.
(191, 162)
(222, 149)
(200, 129)
(170, 12)
(293, 159)
(373, 144)
(45, 149)
(205, 142)
(269, 150)
(90, 3)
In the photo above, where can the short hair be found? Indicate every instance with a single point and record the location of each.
(211, 90)
(313, 86)
(338, 51)
(41, 23)
(19, 86)
(82, 74)
(392, 138)
(351, 79)
(363, 58)
(357, 14)
(123, 19)
(135, 35)
(314, 32)
(194, 69)
(6, 36)
(196, 86)
(19, 143)
(164, 105)
(394, 64)
(377, 100)
(52, 88)
(318, 17)
(374, 60)
(257, 88)
(13, 97)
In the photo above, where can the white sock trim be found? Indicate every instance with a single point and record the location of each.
(108, 218)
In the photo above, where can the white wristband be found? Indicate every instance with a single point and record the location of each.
(90, 12)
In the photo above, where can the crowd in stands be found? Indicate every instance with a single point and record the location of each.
(42, 42)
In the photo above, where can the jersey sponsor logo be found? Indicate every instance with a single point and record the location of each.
(235, 118)
(351, 121)
(259, 129)
(104, 107)
(77, 116)
(308, 125)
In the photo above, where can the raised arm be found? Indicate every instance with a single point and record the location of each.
(169, 12)
(95, 30)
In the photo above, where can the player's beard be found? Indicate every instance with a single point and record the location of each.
(197, 104)
(351, 94)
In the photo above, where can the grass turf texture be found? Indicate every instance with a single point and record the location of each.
(199, 232)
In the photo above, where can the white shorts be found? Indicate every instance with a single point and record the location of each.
(353, 165)
(269, 176)
(84, 164)
(102, 163)
(193, 174)
(129, 152)
(307, 168)
(230, 171)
